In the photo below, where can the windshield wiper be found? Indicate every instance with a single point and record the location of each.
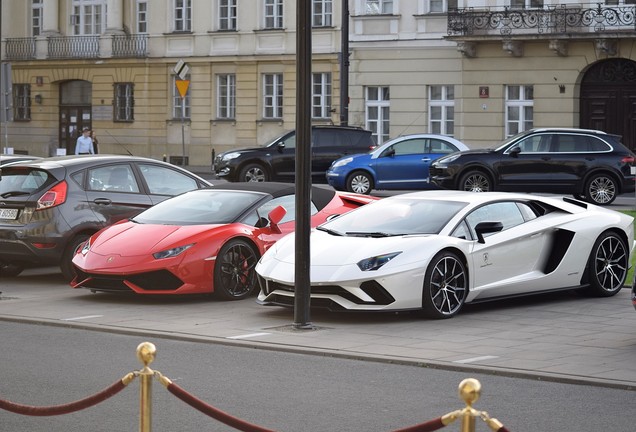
(370, 234)
(14, 193)
(328, 231)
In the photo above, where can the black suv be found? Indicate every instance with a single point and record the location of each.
(591, 165)
(51, 206)
(276, 161)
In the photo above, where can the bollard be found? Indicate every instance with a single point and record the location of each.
(146, 353)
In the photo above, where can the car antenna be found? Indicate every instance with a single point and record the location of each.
(128, 151)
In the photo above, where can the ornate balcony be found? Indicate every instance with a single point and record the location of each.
(558, 24)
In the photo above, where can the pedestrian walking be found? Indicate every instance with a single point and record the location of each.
(95, 142)
(84, 144)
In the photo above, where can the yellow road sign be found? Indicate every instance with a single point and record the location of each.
(182, 86)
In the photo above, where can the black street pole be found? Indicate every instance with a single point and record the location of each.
(303, 165)
(344, 65)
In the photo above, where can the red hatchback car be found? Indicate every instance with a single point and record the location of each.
(200, 242)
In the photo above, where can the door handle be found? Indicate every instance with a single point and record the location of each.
(426, 159)
(102, 201)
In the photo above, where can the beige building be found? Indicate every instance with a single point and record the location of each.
(477, 70)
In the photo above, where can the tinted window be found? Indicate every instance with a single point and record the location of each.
(112, 178)
(27, 181)
(200, 207)
(439, 146)
(165, 181)
(329, 138)
(413, 146)
(507, 213)
(535, 144)
(287, 201)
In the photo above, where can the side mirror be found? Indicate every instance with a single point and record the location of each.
(487, 228)
(389, 152)
(275, 216)
(280, 146)
(514, 152)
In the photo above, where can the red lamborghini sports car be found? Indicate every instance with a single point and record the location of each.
(203, 241)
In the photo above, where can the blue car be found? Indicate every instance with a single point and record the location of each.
(401, 163)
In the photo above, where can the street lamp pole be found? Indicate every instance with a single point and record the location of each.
(344, 65)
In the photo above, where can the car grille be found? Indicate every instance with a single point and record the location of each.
(433, 171)
(372, 288)
(160, 280)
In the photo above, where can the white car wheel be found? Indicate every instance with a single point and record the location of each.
(608, 265)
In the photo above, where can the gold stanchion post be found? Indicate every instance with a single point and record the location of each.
(146, 353)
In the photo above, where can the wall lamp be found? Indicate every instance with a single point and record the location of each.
(38, 99)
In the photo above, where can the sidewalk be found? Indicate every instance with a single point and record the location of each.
(562, 337)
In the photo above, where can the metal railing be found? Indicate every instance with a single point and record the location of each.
(133, 45)
(20, 49)
(65, 47)
(559, 19)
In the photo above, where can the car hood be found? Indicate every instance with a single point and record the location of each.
(132, 239)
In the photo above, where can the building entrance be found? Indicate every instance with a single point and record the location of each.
(75, 112)
(608, 99)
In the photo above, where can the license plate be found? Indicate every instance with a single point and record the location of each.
(6, 213)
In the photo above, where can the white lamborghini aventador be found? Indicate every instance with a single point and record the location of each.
(437, 250)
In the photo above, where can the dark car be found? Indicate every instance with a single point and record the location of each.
(49, 207)
(591, 165)
(634, 294)
(276, 160)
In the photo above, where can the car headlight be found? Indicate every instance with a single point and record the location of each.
(169, 253)
(341, 162)
(230, 156)
(374, 263)
(86, 247)
(447, 159)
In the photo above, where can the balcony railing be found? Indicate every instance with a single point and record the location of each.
(77, 47)
(551, 20)
(134, 45)
(20, 49)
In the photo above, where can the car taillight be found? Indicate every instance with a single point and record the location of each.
(53, 197)
(628, 159)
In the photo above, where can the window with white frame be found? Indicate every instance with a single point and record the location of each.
(519, 108)
(441, 109)
(182, 15)
(273, 14)
(272, 96)
(377, 103)
(227, 14)
(180, 105)
(322, 13)
(36, 17)
(526, 4)
(321, 95)
(89, 17)
(226, 96)
(124, 102)
(441, 6)
(619, 2)
(378, 7)
(21, 102)
(141, 12)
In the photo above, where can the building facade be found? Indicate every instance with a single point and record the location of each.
(477, 70)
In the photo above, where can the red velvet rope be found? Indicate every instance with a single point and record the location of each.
(66, 408)
(502, 429)
(429, 426)
(215, 413)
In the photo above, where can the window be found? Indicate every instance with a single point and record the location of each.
(36, 17)
(519, 108)
(227, 14)
(377, 7)
(441, 110)
(322, 13)
(273, 14)
(113, 178)
(21, 102)
(440, 6)
(180, 105)
(321, 95)
(182, 15)
(163, 181)
(508, 213)
(273, 95)
(142, 16)
(226, 96)
(89, 17)
(377, 102)
(526, 4)
(124, 102)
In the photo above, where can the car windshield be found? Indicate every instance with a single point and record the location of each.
(507, 141)
(23, 181)
(200, 207)
(395, 216)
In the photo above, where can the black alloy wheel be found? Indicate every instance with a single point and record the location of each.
(66, 265)
(607, 265)
(253, 173)
(234, 270)
(445, 286)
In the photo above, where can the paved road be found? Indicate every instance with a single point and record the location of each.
(564, 337)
